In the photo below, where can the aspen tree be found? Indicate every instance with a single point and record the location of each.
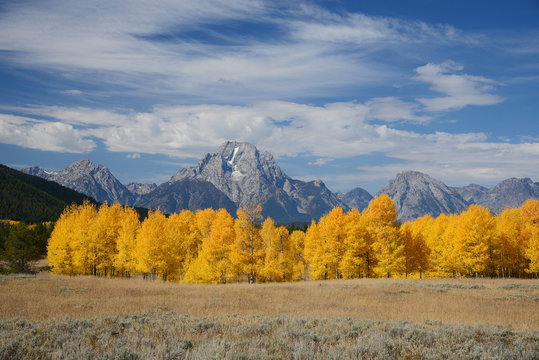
(248, 249)
(212, 264)
(60, 246)
(382, 224)
(296, 256)
(125, 261)
(358, 254)
(475, 238)
(530, 213)
(316, 247)
(152, 251)
(511, 229)
(271, 270)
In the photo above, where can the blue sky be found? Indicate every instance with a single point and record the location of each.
(351, 92)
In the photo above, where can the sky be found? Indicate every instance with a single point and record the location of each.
(350, 92)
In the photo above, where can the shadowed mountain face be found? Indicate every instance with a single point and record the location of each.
(416, 194)
(173, 197)
(248, 176)
(92, 180)
(471, 193)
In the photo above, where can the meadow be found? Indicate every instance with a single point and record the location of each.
(49, 317)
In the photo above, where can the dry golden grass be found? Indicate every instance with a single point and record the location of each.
(455, 301)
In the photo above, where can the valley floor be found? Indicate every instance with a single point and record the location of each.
(366, 318)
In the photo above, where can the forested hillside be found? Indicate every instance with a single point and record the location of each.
(32, 199)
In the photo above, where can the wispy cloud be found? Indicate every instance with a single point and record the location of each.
(460, 89)
(74, 92)
(148, 48)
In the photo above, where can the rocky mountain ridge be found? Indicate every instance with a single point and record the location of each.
(238, 174)
(416, 194)
(90, 179)
(248, 176)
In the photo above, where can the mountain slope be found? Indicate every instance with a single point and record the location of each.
(30, 198)
(471, 193)
(416, 194)
(248, 176)
(186, 194)
(509, 193)
(93, 180)
(356, 198)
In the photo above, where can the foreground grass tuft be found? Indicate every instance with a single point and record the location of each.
(169, 335)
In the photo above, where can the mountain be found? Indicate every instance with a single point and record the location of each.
(176, 196)
(416, 194)
(248, 176)
(140, 189)
(471, 193)
(92, 180)
(356, 198)
(30, 198)
(509, 193)
(37, 171)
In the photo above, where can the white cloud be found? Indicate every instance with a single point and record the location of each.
(391, 109)
(133, 156)
(334, 131)
(461, 90)
(43, 135)
(361, 30)
(74, 92)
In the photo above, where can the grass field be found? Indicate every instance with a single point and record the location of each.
(366, 318)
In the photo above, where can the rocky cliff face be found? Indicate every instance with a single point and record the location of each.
(356, 198)
(90, 179)
(416, 194)
(248, 176)
(509, 193)
(37, 171)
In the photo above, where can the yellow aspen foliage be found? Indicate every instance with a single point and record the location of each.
(475, 240)
(248, 249)
(416, 251)
(104, 233)
(84, 259)
(358, 255)
(183, 234)
(212, 264)
(273, 257)
(204, 220)
(61, 242)
(381, 220)
(125, 261)
(316, 247)
(530, 213)
(334, 232)
(295, 256)
(434, 234)
(511, 228)
(156, 256)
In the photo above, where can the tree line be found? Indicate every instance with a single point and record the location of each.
(211, 246)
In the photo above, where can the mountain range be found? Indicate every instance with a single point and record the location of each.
(238, 175)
